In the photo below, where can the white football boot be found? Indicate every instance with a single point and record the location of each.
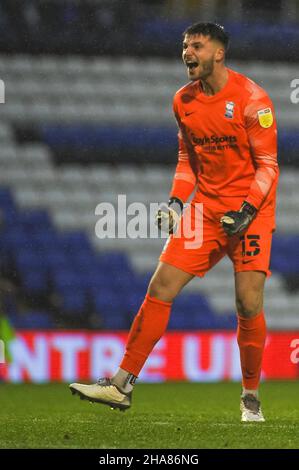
(251, 409)
(103, 392)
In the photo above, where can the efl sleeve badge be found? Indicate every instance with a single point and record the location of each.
(265, 117)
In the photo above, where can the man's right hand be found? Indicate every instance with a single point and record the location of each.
(168, 216)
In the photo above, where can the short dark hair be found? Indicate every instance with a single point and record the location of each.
(214, 30)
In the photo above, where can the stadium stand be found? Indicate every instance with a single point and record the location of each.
(77, 130)
(146, 28)
(48, 240)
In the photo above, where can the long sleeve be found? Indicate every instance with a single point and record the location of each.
(262, 135)
(184, 180)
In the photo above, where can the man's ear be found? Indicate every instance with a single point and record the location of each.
(220, 54)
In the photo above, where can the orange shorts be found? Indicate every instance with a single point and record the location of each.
(201, 241)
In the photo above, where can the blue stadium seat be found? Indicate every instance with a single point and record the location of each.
(7, 206)
(107, 302)
(10, 217)
(15, 239)
(35, 220)
(35, 281)
(47, 240)
(111, 137)
(285, 254)
(26, 257)
(6, 198)
(65, 278)
(76, 241)
(32, 320)
(193, 303)
(8, 304)
(33, 272)
(116, 261)
(73, 301)
(85, 260)
(117, 138)
(180, 320)
(132, 301)
(191, 312)
(96, 280)
(115, 321)
(227, 321)
(126, 280)
(55, 260)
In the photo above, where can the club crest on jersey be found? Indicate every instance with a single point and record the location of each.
(265, 117)
(229, 109)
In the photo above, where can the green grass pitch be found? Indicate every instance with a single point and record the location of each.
(169, 416)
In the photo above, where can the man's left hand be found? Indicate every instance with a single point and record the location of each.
(235, 222)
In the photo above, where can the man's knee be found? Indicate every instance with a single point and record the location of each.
(161, 289)
(249, 304)
(167, 282)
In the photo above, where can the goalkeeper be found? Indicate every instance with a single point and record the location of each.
(228, 157)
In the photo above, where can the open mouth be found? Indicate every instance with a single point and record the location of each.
(191, 65)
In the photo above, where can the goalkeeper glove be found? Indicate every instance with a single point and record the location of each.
(234, 222)
(168, 217)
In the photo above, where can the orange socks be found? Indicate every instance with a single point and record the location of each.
(151, 322)
(147, 328)
(251, 337)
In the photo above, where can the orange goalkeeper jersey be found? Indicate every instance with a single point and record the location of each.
(227, 143)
